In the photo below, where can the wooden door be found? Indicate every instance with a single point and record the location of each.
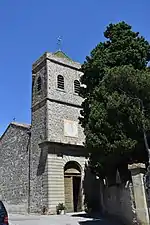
(68, 185)
(77, 193)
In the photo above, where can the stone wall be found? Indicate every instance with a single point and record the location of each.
(70, 75)
(50, 107)
(38, 183)
(56, 178)
(14, 168)
(38, 191)
(118, 201)
(57, 113)
(56, 156)
(41, 72)
(128, 203)
(63, 104)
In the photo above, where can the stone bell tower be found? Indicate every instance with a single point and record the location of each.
(57, 153)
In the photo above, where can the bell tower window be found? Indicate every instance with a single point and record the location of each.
(60, 82)
(76, 86)
(39, 84)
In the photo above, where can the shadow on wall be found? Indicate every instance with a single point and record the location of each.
(115, 198)
(42, 162)
(91, 189)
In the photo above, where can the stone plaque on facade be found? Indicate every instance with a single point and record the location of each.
(70, 128)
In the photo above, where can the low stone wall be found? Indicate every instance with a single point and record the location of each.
(128, 203)
(119, 202)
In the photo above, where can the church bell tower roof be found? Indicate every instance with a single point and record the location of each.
(58, 57)
(61, 54)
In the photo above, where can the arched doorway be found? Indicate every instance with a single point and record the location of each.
(72, 185)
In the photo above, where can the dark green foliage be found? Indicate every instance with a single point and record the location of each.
(116, 76)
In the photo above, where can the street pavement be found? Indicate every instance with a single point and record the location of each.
(69, 219)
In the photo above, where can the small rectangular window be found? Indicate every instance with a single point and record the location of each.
(76, 86)
(60, 82)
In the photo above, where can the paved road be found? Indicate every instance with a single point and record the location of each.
(57, 220)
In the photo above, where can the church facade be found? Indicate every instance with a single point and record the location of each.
(43, 164)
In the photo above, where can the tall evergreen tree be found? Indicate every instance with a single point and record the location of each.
(116, 83)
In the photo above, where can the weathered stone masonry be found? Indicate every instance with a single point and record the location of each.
(14, 147)
(55, 105)
(33, 159)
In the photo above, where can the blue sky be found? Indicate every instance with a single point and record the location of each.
(28, 28)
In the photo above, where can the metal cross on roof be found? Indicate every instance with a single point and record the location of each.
(59, 42)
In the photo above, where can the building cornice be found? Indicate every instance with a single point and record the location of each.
(43, 102)
(52, 58)
(60, 148)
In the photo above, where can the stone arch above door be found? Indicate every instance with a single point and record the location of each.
(77, 160)
(72, 167)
